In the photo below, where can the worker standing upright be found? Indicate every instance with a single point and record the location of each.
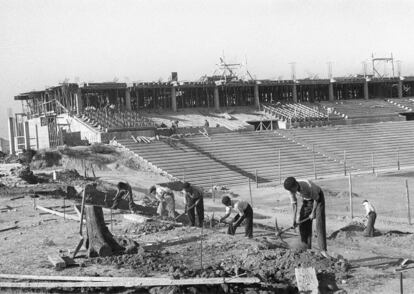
(313, 207)
(371, 215)
(244, 212)
(193, 200)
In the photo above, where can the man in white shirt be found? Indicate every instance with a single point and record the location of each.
(244, 212)
(166, 205)
(313, 206)
(371, 215)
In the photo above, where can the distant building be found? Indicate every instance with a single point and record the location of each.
(4, 145)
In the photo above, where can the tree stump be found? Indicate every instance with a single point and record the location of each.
(100, 241)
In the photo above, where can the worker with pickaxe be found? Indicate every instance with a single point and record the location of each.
(313, 207)
(193, 200)
(244, 212)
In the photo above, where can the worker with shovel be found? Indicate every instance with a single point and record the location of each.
(313, 207)
(371, 215)
(244, 211)
(193, 200)
(124, 190)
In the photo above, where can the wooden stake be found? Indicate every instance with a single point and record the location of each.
(401, 283)
(314, 161)
(93, 171)
(345, 162)
(111, 220)
(280, 169)
(408, 203)
(213, 194)
(351, 208)
(398, 158)
(250, 191)
(201, 247)
(372, 163)
(257, 183)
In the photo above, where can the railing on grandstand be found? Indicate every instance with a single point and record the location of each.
(296, 114)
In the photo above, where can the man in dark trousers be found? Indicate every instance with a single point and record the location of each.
(124, 191)
(193, 200)
(313, 207)
(244, 212)
(371, 215)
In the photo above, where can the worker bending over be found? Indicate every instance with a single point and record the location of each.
(371, 215)
(193, 200)
(124, 190)
(166, 205)
(313, 206)
(244, 212)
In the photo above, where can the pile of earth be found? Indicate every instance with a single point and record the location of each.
(278, 265)
(353, 229)
(23, 172)
(148, 227)
(68, 176)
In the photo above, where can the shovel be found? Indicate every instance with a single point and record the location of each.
(80, 226)
(280, 232)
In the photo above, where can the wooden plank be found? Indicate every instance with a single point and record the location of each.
(125, 282)
(8, 228)
(57, 261)
(306, 279)
(51, 211)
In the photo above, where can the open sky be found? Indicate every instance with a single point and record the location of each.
(42, 42)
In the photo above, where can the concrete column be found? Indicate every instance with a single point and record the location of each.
(366, 92)
(294, 93)
(331, 92)
(256, 96)
(173, 99)
(128, 99)
(136, 95)
(26, 135)
(79, 103)
(216, 99)
(400, 88)
(11, 135)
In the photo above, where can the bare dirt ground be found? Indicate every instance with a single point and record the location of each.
(175, 251)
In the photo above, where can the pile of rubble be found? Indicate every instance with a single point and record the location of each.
(149, 227)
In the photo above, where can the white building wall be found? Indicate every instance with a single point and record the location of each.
(74, 124)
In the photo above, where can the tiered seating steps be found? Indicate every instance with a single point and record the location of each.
(387, 142)
(232, 158)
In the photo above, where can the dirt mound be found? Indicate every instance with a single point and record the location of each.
(68, 175)
(45, 158)
(24, 173)
(148, 228)
(338, 194)
(351, 230)
(278, 265)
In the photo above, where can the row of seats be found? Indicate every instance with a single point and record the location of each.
(232, 158)
(104, 120)
(361, 108)
(404, 103)
(366, 146)
(294, 112)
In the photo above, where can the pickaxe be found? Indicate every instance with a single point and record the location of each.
(82, 240)
(187, 210)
